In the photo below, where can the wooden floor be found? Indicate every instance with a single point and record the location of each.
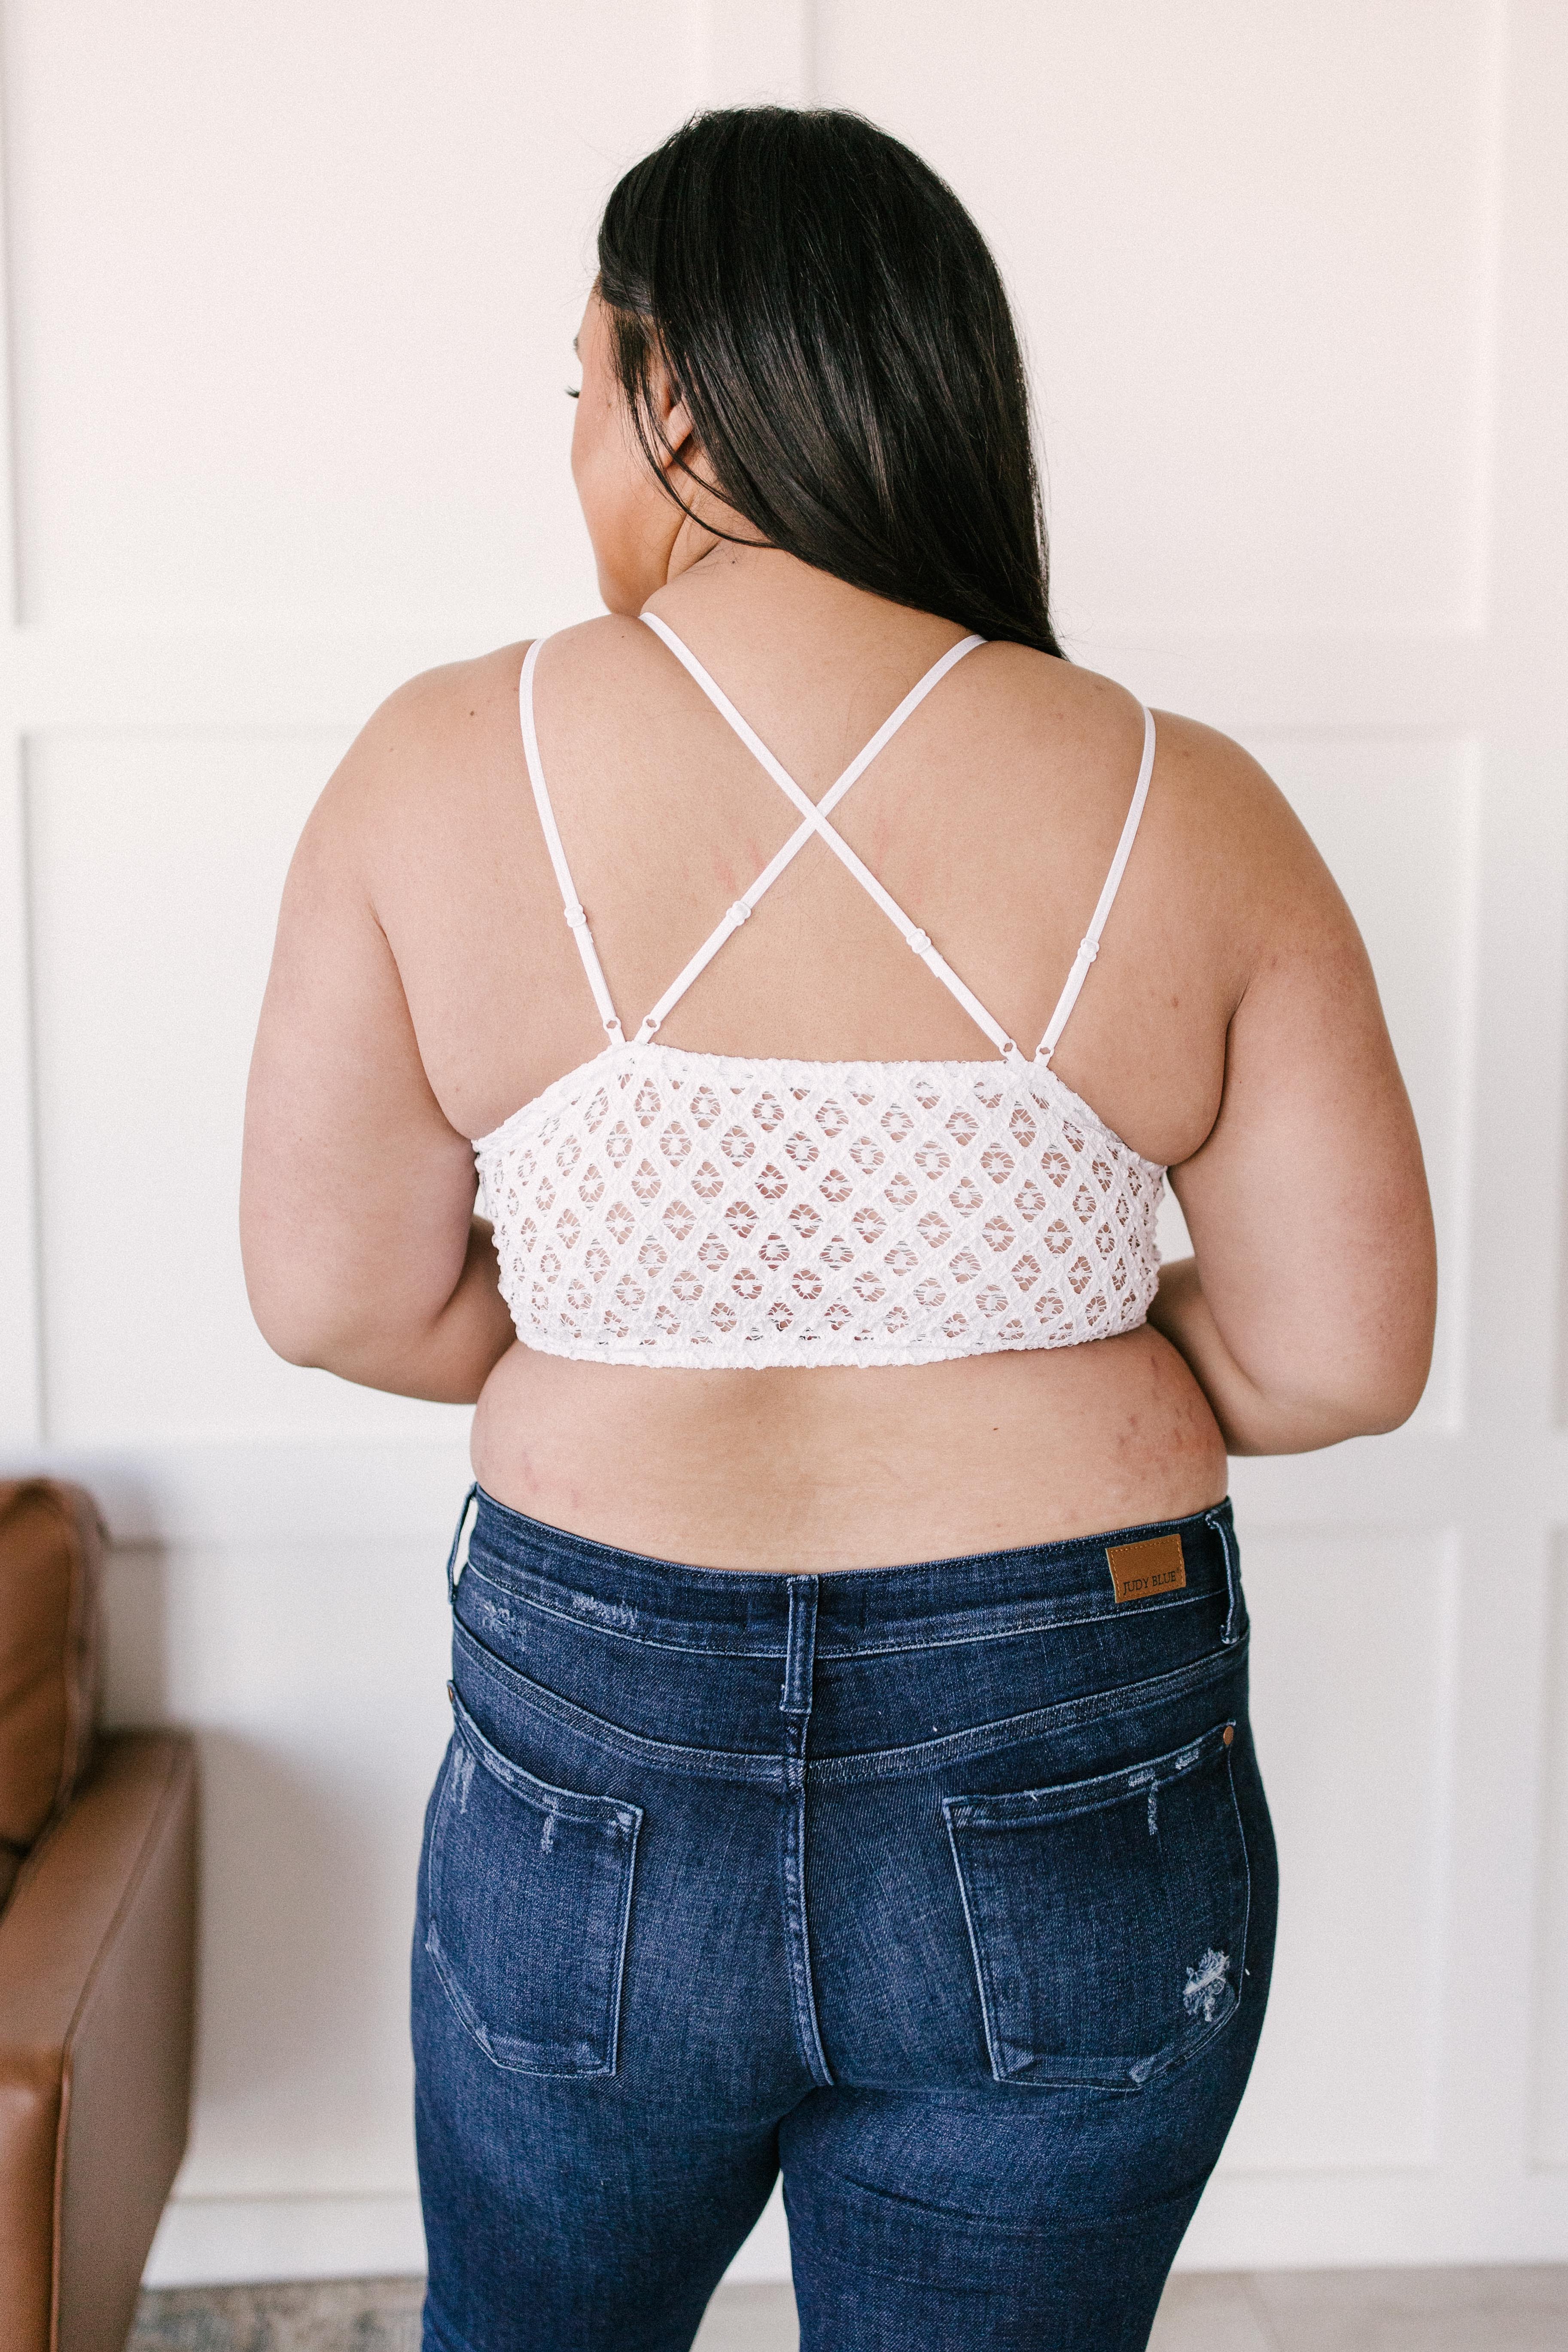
(1514, 2310)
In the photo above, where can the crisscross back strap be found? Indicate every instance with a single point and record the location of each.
(816, 815)
(815, 820)
(1089, 948)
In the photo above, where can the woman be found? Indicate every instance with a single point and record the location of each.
(948, 1888)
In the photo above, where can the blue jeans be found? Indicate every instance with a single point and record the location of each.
(948, 1889)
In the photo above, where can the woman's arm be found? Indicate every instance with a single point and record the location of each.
(1307, 1312)
(362, 1255)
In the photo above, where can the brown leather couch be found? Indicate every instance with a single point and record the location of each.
(96, 1947)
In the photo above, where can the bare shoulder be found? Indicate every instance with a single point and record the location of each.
(1082, 711)
(598, 651)
(1218, 827)
(1219, 790)
(1228, 820)
(449, 722)
(435, 777)
(1207, 793)
(426, 732)
(435, 786)
(1221, 854)
(434, 718)
(430, 760)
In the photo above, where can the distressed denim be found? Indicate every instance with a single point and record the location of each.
(947, 1889)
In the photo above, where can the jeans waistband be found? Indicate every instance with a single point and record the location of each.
(921, 1604)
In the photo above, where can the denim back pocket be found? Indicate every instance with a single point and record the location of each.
(1108, 1917)
(529, 1894)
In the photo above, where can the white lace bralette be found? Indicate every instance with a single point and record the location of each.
(707, 1211)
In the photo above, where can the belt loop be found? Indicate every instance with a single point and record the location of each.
(1217, 1520)
(795, 1697)
(457, 1539)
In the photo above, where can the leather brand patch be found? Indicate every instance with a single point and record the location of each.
(1140, 1569)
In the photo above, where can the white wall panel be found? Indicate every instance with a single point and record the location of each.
(294, 290)
(1352, 1688)
(1249, 245)
(156, 867)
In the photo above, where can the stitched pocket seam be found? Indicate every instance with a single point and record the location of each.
(961, 1813)
(1017, 1808)
(621, 1820)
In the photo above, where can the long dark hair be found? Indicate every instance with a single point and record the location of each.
(843, 340)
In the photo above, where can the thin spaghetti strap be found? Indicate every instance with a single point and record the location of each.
(576, 919)
(1090, 946)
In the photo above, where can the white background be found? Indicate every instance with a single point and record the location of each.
(290, 291)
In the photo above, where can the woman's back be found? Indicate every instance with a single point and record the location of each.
(991, 818)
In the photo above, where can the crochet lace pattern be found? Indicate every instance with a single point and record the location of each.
(661, 1206)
